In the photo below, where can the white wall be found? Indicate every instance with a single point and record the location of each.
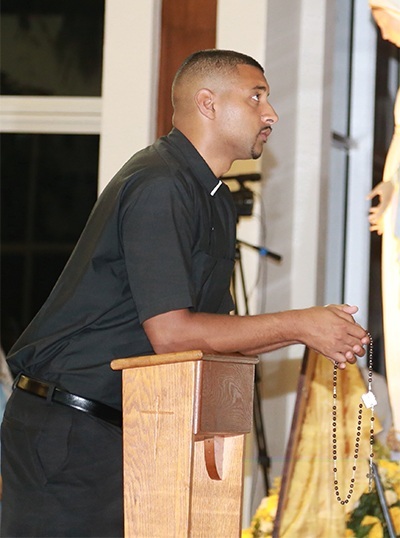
(241, 26)
(129, 89)
(299, 35)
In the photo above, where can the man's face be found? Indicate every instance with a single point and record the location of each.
(244, 115)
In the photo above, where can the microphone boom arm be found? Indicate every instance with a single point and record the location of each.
(262, 250)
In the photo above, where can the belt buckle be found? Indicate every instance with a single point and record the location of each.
(15, 382)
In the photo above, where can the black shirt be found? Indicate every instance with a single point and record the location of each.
(161, 237)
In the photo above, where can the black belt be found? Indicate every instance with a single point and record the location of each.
(46, 390)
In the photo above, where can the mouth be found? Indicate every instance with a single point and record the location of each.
(265, 132)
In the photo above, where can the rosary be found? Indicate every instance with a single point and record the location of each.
(369, 401)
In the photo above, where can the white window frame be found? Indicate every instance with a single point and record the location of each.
(69, 115)
(125, 115)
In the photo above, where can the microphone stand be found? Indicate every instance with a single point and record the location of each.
(262, 250)
(382, 501)
(264, 459)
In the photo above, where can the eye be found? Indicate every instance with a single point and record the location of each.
(256, 97)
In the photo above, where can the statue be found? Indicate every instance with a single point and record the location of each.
(385, 220)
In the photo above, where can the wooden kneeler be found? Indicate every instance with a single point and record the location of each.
(185, 416)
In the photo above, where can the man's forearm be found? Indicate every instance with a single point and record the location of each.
(330, 330)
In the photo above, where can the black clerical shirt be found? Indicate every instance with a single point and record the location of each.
(161, 237)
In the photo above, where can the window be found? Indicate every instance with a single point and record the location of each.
(51, 73)
(51, 48)
(48, 187)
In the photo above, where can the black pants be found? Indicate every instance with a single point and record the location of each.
(62, 472)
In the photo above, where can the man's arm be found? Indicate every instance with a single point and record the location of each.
(330, 330)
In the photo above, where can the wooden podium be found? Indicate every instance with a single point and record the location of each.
(185, 416)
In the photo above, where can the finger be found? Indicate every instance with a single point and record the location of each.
(351, 357)
(354, 350)
(350, 309)
(339, 364)
(375, 216)
(374, 192)
(366, 340)
(339, 359)
(354, 353)
(357, 337)
(358, 350)
(344, 311)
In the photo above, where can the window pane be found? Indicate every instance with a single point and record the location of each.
(48, 188)
(51, 47)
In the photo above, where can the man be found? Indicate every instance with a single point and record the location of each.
(150, 274)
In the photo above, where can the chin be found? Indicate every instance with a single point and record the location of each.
(256, 153)
(257, 149)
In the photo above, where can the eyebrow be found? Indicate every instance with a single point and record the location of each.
(261, 88)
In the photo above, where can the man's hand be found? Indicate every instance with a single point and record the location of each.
(332, 331)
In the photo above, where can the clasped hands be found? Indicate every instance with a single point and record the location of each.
(345, 339)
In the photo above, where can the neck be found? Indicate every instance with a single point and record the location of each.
(208, 149)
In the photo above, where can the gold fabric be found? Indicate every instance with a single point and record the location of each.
(312, 509)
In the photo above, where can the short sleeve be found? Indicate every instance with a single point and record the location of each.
(157, 235)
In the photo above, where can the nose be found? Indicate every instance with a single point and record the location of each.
(269, 115)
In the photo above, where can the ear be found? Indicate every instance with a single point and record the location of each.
(204, 100)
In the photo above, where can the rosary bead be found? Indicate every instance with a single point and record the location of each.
(358, 431)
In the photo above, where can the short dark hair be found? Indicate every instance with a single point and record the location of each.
(213, 60)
